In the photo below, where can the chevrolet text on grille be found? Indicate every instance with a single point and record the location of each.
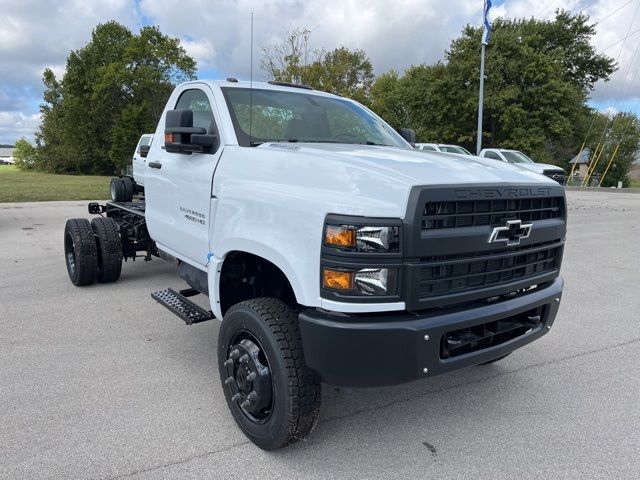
(502, 192)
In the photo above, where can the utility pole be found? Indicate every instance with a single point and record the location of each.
(486, 30)
(480, 101)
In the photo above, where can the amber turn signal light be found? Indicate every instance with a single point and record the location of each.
(337, 280)
(340, 236)
(169, 138)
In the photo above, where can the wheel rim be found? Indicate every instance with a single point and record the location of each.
(70, 252)
(112, 189)
(248, 377)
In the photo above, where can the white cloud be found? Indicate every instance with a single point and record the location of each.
(202, 51)
(36, 34)
(15, 125)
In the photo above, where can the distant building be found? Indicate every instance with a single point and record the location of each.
(6, 155)
(582, 161)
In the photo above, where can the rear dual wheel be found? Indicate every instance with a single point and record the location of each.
(121, 189)
(273, 397)
(92, 250)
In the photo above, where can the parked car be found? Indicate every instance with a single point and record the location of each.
(442, 147)
(520, 159)
(331, 252)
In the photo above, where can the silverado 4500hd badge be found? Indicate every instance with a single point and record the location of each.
(193, 216)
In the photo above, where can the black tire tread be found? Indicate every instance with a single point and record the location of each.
(109, 249)
(305, 392)
(86, 257)
(119, 188)
(128, 189)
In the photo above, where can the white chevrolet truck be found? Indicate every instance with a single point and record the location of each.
(329, 249)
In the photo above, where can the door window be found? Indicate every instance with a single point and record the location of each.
(197, 101)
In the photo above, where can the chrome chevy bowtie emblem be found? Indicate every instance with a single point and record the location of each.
(512, 232)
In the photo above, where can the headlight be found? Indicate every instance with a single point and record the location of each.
(363, 239)
(365, 281)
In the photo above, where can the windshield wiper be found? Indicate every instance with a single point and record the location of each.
(257, 143)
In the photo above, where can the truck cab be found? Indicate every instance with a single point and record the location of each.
(139, 161)
(330, 250)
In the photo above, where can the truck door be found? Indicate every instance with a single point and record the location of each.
(178, 185)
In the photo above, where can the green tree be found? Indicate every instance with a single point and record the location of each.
(25, 155)
(113, 90)
(342, 71)
(537, 79)
(613, 141)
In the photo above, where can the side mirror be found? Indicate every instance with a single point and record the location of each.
(144, 150)
(409, 135)
(180, 136)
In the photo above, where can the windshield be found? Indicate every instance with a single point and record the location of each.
(454, 149)
(303, 117)
(516, 157)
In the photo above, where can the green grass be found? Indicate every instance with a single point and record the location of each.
(19, 186)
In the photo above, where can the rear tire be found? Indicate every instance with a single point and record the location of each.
(109, 249)
(273, 397)
(117, 190)
(80, 251)
(128, 189)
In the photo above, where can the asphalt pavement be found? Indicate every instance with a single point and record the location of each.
(102, 382)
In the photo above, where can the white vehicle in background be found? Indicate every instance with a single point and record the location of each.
(519, 158)
(124, 188)
(442, 147)
(140, 157)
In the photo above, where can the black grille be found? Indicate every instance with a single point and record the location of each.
(442, 277)
(454, 214)
(557, 175)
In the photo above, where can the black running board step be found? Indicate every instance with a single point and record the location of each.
(181, 306)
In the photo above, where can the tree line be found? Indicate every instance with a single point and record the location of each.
(538, 79)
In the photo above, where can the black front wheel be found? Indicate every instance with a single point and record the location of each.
(273, 396)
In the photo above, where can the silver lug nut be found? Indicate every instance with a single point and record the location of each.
(251, 377)
(236, 397)
(425, 370)
(228, 381)
(426, 337)
(244, 358)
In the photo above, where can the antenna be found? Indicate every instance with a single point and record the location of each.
(251, 84)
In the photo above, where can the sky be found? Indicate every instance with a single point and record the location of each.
(36, 34)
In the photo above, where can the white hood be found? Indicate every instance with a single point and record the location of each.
(538, 167)
(410, 166)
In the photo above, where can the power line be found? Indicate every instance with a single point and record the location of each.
(613, 13)
(621, 40)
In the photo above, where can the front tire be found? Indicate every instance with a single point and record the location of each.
(273, 397)
(80, 251)
(109, 249)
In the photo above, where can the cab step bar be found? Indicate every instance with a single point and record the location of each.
(184, 308)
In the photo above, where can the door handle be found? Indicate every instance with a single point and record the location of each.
(155, 165)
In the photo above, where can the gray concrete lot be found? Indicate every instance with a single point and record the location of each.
(102, 382)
